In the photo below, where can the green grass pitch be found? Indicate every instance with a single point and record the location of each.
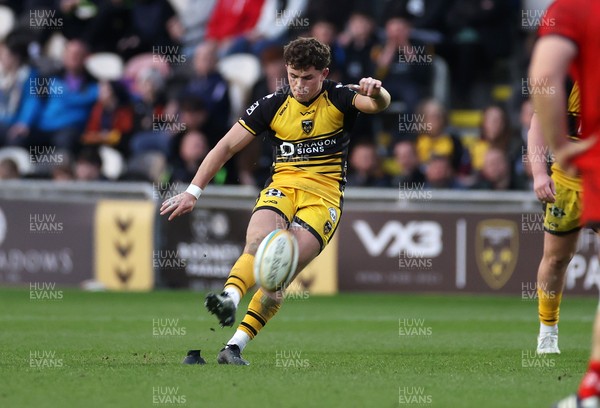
(125, 350)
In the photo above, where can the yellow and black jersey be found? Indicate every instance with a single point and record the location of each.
(310, 140)
(574, 131)
(574, 113)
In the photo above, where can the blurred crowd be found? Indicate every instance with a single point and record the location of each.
(138, 89)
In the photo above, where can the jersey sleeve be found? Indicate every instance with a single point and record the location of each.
(258, 117)
(566, 18)
(343, 98)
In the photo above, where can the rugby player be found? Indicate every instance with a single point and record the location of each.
(561, 195)
(308, 123)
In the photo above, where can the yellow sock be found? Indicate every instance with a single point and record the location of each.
(241, 276)
(549, 307)
(260, 310)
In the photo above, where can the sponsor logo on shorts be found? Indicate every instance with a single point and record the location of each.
(557, 212)
(327, 227)
(333, 214)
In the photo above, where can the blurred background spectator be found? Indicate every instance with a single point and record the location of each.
(402, 63)
(111, 120)
(438, 140)
(495, 173)
(88, 165)
(9, 170)
(14, 81)
(208, 85)
(325, 31)
(231, 20)
(439, 174)
(496, 132)
(148, 105)
(358, 42)
(364, 166)
(57, 106)
(189, 152)
(408, 171)
(190, 30)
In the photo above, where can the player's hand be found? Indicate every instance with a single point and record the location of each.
(368, 86)
(565, 154)
(182, 203)
(544, 189)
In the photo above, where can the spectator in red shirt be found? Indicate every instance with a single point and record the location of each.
(231, 19)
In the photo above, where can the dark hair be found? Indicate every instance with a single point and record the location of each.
(505, 132)
(11, 165)
(189, 102)
(272, 53)
(364, 141)
(120, 92)
(90, 155)
(304, 53)
(397, 10)
(17, 44)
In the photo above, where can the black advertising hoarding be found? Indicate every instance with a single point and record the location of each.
(199, 249)
(385, 251)
(448, 252)
(46, 242)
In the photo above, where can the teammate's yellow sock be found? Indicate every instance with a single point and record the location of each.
(549, 307)
(241, 276)
(260, 310)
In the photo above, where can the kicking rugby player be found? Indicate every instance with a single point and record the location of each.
(308, 124)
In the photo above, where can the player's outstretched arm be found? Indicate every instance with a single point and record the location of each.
(235, 140)
(372, 96)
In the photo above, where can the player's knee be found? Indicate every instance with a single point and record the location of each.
(558, 261)
(252, 245)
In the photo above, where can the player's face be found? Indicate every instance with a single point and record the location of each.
(306, 84)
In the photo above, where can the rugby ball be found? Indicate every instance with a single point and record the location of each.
(276, 260)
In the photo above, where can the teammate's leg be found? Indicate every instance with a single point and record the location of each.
(558, 252)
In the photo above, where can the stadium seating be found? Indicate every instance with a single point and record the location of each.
(241, 72)
(105, 66)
